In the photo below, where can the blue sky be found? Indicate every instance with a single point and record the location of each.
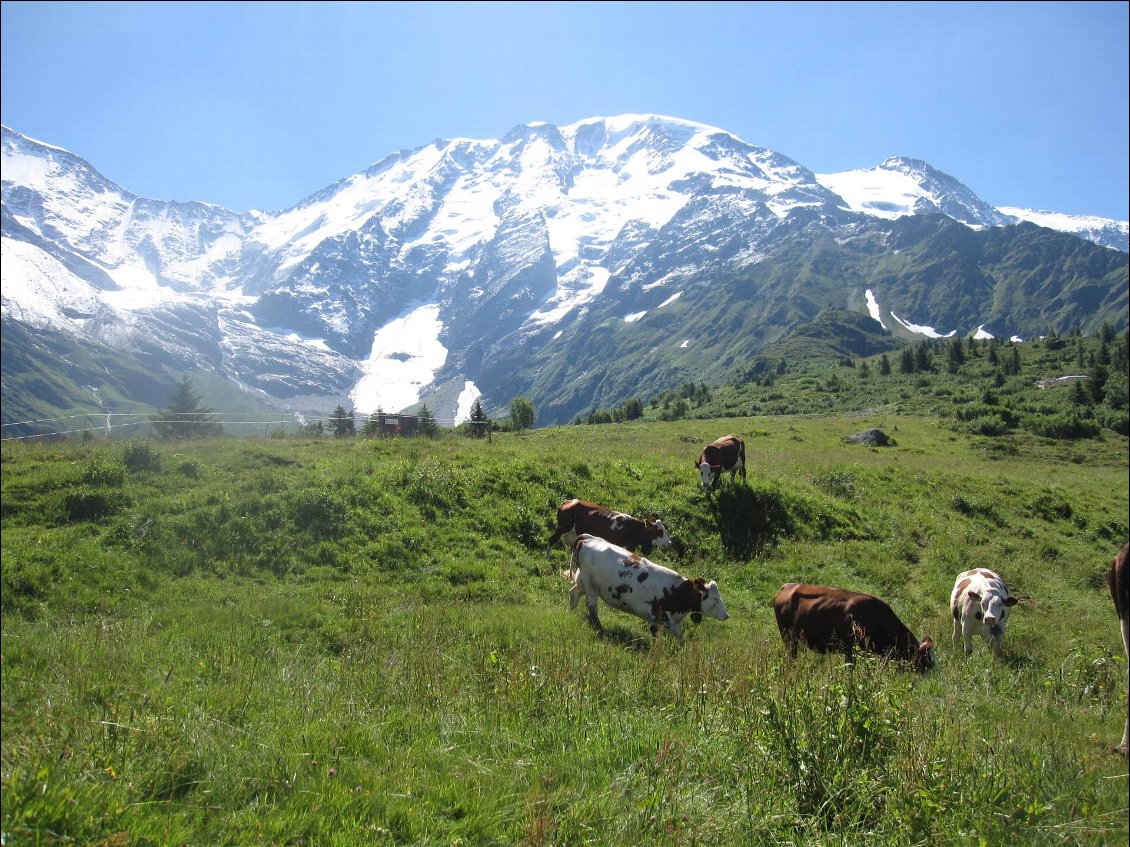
(258, 105)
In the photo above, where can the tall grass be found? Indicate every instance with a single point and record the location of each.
(334, 643)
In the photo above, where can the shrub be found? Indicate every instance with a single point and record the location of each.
(88, 504)
(321, 513)
(1062, 427)
(141, 456)
(103, 472)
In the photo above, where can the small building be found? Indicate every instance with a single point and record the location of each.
(399, 425)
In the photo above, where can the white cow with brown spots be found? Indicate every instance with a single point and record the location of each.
(980, 604)
(601, 570)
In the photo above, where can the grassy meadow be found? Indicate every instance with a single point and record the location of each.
(290, 641)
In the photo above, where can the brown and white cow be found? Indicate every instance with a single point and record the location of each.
(980, 604)
(726, 455)
(1118, 581)
(834, 620)
(601, 570)
(578, 517)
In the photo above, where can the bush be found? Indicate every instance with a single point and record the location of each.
(1116, 420)
(88, 504)
(141, 456)
(102, 472)
(1062, 427)
(321, 513)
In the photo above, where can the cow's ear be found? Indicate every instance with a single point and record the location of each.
(974, 595)
(700, 584)
(1010, 601)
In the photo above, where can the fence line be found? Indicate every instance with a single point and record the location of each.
(180, 417)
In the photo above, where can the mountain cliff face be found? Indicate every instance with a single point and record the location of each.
(576, 265)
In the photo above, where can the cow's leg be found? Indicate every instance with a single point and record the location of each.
(997, 644)
(1124, 747)
(956, 631)
(591, 599)
(575, 594)
(676, 630)
(967, 634)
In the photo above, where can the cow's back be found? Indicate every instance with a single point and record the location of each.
(833, 619)
(875, 622)
(813, 614)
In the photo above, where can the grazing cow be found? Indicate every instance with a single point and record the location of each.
(630, 583)
(576, 517)
(980, 605)
(831, 619)
(727, 454)
(1118, 582)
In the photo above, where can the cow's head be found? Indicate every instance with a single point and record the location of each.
(992, 609)
(712, 605)
(709, 474)
(925, 658)
(658, 532)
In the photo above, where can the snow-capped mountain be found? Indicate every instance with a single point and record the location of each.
(570, 264)
(899, 187)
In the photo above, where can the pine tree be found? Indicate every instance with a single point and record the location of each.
(479, 420)
(428, 426)
(884, 365)
(185, 417)
(955, 355)
(922, 359)
(342, 423)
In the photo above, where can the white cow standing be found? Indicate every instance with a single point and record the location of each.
(601, 570)
(980, 604)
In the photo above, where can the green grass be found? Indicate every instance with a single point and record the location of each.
(297, 642)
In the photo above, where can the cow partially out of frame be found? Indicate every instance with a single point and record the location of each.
(1119, 584)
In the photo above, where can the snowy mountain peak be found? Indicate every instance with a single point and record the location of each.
(903, 186)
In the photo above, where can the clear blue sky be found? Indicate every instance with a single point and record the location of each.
(258, 105)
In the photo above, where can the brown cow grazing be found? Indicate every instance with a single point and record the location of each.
(831, 619)
(1119, 584)
(577, 517)
(726, 455)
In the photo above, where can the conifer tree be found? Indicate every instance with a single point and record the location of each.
(185, 417)
(479, 420)
(342, 423)
(428, 426)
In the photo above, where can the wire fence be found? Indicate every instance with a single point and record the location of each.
(118, 424)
